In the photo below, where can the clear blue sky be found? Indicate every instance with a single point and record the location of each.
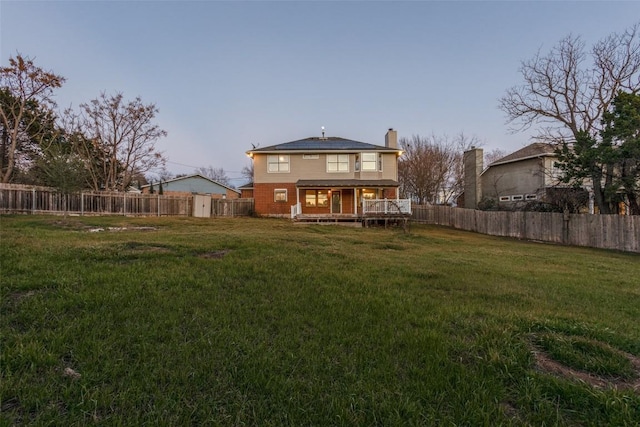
(226, 75)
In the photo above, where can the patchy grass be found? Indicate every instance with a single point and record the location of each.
(587, 355)
(254, 321)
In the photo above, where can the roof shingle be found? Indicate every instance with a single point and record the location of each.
(331, 143)
(537, 149)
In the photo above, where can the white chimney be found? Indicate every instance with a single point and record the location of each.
(391, 139)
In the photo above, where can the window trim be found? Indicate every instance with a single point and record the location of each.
(360, 161)
(373, 162)
(338, 162)
(368, 191)
(307, 196)
(277, 191)
(279, 163)
(316, 198)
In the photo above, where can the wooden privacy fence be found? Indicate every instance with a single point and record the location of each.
(39, 200)
(618, 232)
(36, 200)
(232, 207)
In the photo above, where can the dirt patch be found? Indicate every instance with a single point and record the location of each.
(17, 297)
(143, 247)
(215, 255)
(116, 229)
(547, 365)
(71, 373)
(69, 224)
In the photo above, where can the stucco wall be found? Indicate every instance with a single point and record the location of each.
(517, 178)
(301, 168)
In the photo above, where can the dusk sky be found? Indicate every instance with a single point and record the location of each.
(225, 75)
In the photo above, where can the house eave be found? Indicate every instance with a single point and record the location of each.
(535, 156)
(327, 151)
(346, 183)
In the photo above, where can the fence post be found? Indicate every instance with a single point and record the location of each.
(124, 204)
(33, 201)
(158, 205)
(565, 227)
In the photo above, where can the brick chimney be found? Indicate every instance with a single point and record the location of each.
(391, 139)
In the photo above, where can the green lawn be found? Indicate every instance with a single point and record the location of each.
(262, 322)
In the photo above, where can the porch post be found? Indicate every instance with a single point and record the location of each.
(355, 201)
(298, 200)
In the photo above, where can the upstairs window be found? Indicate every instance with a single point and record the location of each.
(371, 162)
(337, 163)
(556, 171)
(278, 163)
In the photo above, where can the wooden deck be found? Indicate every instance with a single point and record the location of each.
(366, 220)
(327, 218)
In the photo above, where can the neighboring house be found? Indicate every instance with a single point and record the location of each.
(193, 184)
(526, 175)
(324, 176)
(523, 175)
(246, 191)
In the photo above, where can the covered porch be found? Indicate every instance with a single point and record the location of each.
(347, 200)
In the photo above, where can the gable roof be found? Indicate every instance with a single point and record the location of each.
(327, 144)
(531, 151)
(195, 175)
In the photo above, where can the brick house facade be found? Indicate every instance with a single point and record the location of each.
(323, 175)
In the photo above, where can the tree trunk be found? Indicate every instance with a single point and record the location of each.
(3, 150)
(598, 193)
(634, 203)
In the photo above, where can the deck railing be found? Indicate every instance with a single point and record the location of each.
(296, 210)
(387, 206)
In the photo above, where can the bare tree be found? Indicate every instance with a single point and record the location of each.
(247, 172)
(216, 174)
(494, 155)
(26, 92)
(119, 140)
(431, 169)
(567, 96)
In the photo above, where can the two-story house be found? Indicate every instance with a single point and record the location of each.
(324, 176)
(530, 174)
